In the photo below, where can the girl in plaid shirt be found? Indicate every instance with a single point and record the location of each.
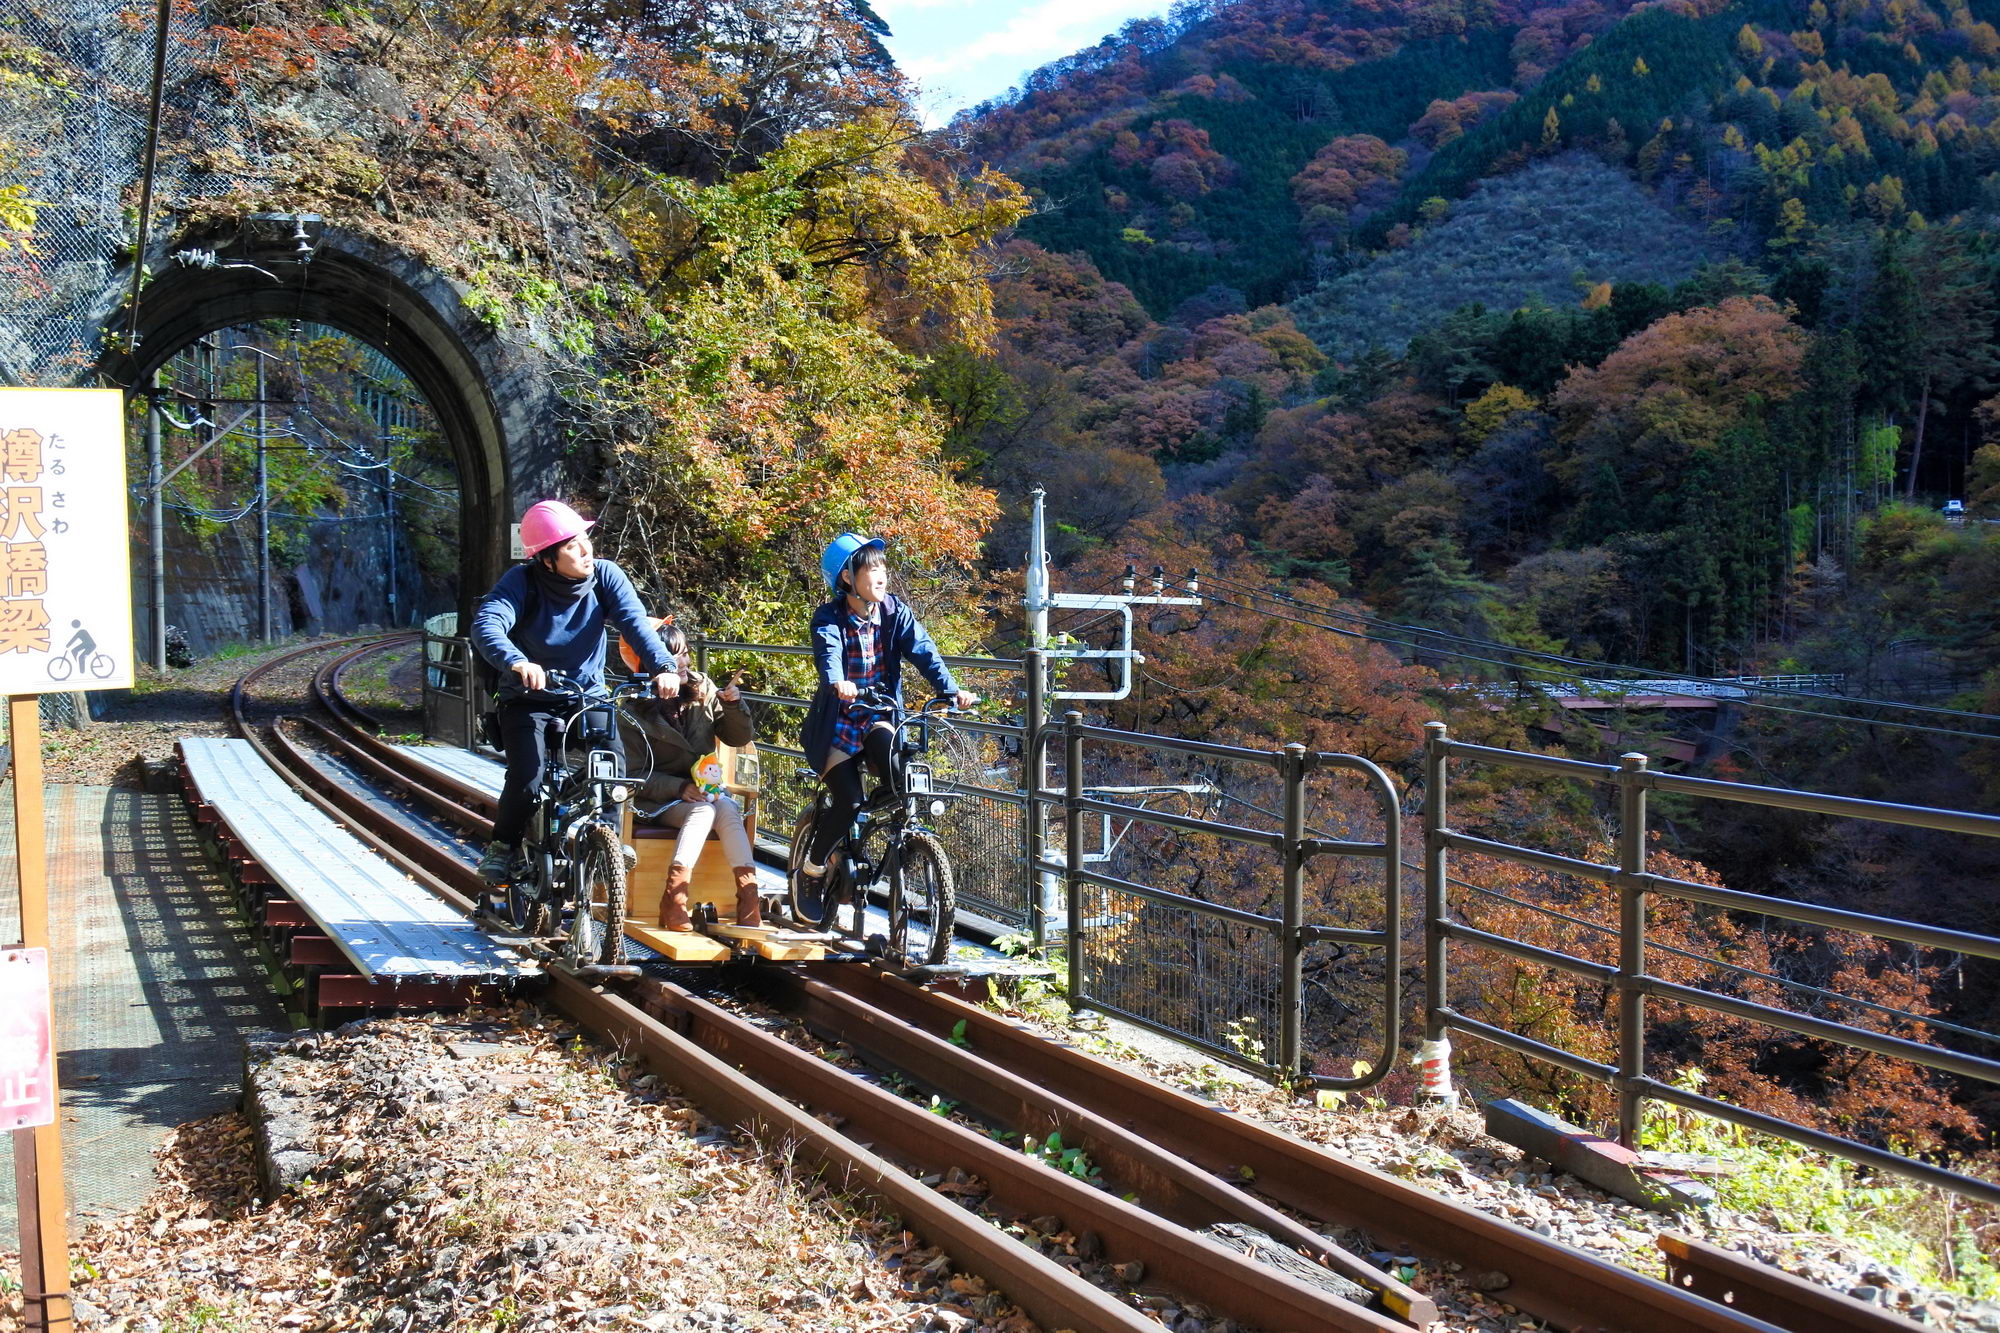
(860, 640)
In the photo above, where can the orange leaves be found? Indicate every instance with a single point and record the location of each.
(1678, 386)
(548, 74)
(267, 56)
(1342, 170)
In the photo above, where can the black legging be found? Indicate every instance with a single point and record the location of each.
(527, 729)
(843, 789)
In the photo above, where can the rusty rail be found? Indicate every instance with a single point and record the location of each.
(1767, 1293)
(1549, 1280)
(1193, 1265)
(1129, 1162)
(1134, 1129)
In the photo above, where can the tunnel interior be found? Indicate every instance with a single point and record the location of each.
(470, 398)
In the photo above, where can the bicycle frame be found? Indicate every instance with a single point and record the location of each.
(897, 814)
(570, 797)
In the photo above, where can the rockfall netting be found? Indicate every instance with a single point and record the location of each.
(73, 121)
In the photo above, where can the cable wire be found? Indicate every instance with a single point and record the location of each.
(1820, 714)
(1595, 668)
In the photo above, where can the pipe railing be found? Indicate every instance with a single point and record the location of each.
(1290, 932)
(1634, 985)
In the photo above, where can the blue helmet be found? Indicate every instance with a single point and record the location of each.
(843, 549)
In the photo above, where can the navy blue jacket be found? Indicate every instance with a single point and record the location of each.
(903, 636)
(569, 639)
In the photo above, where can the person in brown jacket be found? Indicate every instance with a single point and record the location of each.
(679, 732)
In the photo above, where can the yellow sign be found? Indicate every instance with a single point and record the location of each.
(65, 561)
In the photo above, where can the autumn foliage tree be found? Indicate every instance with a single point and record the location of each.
(777, 403)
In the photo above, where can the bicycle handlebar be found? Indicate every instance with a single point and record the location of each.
(880, 701)
(567, 687)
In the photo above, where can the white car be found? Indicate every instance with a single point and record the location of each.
(1954, 509)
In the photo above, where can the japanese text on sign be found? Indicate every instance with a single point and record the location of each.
(65, 578)
(27, 1041)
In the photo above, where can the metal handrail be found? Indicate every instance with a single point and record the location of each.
(1039, 799)
(701, 647)
(1635, 985)
(1293, 764)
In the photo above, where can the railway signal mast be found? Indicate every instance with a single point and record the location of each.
(1043, 653)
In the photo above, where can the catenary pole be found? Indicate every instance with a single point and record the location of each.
(156, 525)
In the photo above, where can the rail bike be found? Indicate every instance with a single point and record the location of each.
(593, 868)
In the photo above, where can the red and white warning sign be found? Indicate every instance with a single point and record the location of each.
(27, 1041)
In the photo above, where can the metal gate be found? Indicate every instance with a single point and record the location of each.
(1227, 977)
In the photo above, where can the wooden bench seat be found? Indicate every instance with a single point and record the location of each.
(713, 883)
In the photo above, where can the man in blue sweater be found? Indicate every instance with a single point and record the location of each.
(548, 614)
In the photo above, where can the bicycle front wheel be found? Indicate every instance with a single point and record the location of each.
(600, 870)
(921, 888)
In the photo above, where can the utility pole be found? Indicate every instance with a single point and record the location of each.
(389, 521)
(1038, 601)
(263, 510)
(156, 526)
(1034, 765)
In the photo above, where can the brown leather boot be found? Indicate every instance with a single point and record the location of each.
(749, 911)
(674, 902)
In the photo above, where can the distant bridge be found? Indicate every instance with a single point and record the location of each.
(1705, 692)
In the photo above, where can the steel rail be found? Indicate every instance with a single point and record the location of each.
(1168, 1184)
(1200, 1268)
(401, 776)
(433, 869)
(1194, 1266)
(239, 694)
(327, 681)
(1769, 1293)
(1549, 1280)
(1052, 1295)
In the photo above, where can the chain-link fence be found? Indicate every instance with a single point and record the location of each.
(73, 134)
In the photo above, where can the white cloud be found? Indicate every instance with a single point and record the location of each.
(963, 51)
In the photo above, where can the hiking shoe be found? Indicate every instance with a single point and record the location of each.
(497, 866)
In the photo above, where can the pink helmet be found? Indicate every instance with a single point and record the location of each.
(550, 523)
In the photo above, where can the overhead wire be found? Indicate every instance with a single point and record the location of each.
(1821, 714)
(1599, 668)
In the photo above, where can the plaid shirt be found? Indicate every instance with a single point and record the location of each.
(861, 659)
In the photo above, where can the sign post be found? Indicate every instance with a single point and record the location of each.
(65, 624)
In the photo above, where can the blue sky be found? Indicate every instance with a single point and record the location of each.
(965, 51)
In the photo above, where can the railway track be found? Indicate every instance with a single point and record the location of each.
(1169, 1213)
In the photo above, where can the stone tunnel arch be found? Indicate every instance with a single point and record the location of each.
(492, 395)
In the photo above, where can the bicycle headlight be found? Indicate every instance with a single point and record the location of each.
(937, 808)
(620, 794)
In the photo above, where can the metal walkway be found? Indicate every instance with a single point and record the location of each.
(385, 925)
(453, 761)
(156, 983)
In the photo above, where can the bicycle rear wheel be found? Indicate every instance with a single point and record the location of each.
(921, 888)
(805, 897)
(525, 910)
